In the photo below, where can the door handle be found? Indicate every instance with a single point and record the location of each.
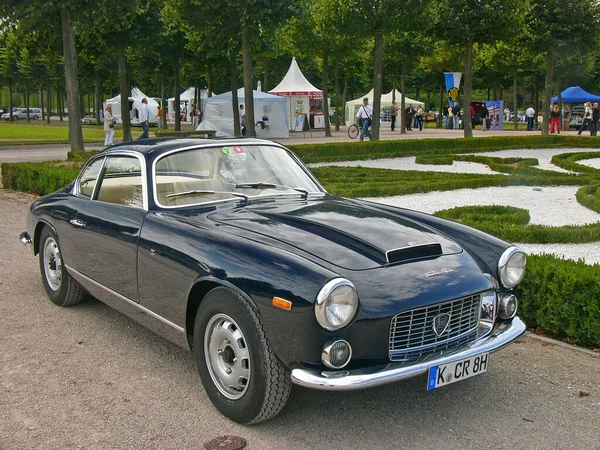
(77, 223)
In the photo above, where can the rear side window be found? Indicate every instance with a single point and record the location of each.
(89, 177)
(121, 182)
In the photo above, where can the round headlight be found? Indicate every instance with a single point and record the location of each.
(511, 266)
(336, 305)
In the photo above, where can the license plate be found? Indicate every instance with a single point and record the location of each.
(457, 371)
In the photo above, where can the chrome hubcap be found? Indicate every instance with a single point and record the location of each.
(227, 356)
(52, 264)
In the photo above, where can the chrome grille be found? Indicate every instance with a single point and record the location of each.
(412, 336)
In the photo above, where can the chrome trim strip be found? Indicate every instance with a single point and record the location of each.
(129, 301)
(347, 380)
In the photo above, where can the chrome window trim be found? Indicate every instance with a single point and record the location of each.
(143, 174)
(76, 190)
(222, 144)
(127, 300)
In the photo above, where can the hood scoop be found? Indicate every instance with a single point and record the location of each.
(414, 252)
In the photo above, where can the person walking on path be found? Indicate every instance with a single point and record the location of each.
(144, 119)
(595, 119)
(456, 115)
(393, 114)
(243, 120)
(410, 112)
(485, 114)
(529, 114)
(365, 116)
(109, 126)
(587, 118)
(555, 119)
(419, 118)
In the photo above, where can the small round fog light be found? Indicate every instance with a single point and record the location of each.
(508, 307)
(336, 354)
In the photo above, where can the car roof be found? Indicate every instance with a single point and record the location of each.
(156, 147)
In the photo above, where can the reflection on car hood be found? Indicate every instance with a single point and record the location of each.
(339, 231)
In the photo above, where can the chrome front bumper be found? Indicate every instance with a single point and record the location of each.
(348, 380)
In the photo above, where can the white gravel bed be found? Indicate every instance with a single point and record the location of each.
(595, 162)
(553, 206)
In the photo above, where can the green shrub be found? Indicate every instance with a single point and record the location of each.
(568, 161)
(562, 298)
(589, 196)
(80, 156)
(37, 178)
(435, 160)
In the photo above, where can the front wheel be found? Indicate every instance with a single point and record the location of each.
(353, 131)
(60, 287)
(242, 376)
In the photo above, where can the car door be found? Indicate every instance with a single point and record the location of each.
(106, 229)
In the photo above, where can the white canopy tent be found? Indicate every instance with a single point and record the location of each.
(303, 97)
(186, 99)
(135, 103)
(269, 113)
(386, 102)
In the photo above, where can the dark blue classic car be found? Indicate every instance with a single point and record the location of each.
(232, 249)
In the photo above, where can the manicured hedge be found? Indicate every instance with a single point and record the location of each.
(37, 178)
(351, 151)
(589, 196)
(569, 161)
(562, 298)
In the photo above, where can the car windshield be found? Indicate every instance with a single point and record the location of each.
(227, 172)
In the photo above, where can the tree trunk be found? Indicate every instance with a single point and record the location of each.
(98, 101)
(177, 88)
(124, 91)
(337, 95)
(72, 84)
(42, 100)
(515, 100)
(265, 86)
(26, 102)
(163, 100)
(48, 100)
(248, 98)
(325, 92)
(377, 84)
(468, 131)
(443, 104)
(10, 99)
(237, 129)
(548, 92)
(403, 99)
(210, 80)
(345, 98)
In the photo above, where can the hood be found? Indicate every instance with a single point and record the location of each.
(339, 231)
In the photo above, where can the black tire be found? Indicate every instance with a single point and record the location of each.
(62, 289)
(263, 383)
(353, 131)
(35, 117)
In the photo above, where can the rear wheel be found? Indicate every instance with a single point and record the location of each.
(60, 286)
(240, 372)
(35, 117)
(353, 131)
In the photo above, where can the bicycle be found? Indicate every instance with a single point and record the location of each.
(353, 131)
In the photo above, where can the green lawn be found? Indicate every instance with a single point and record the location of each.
(39, 132)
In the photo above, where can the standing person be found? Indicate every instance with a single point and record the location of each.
(456, 115)
(555, 119)
(109, 126)
(445, 115)
(243, 120)
(484, 118)
(587, 118)
(472, 109)
(144, 119)
(450, 123)
(529, 114)
(419, 118)
(410, 112)
(595, 119)
(159, 114)
(365, 116)
(393, 114)
(193, 114)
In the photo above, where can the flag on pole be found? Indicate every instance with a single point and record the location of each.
(452, 85)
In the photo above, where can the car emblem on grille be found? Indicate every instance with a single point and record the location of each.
(440, 323)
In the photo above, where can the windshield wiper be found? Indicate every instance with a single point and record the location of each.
(202, 191)
(262, 185)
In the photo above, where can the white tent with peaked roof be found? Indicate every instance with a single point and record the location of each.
(303, 97)
(386, 102)
(186, 99)
(135, 103)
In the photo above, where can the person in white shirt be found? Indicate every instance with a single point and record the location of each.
(109, 126)
(144, 119)
(365, 116)
(587, 118)
(530, 113)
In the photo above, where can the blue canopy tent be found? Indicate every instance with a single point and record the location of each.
(575, 94)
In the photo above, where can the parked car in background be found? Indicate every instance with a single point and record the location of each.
(21, 113)
(6, 114)
(576, 116)
(232, 249)
(520, 116)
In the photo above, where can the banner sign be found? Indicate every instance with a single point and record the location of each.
(495, 108)
(452, 85)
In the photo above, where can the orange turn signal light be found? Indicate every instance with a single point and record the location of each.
(282, 304)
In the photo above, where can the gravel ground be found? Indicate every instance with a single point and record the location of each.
(548, 205)
(87, 377)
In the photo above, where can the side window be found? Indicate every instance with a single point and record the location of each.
(89, 177)
(121, 182)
